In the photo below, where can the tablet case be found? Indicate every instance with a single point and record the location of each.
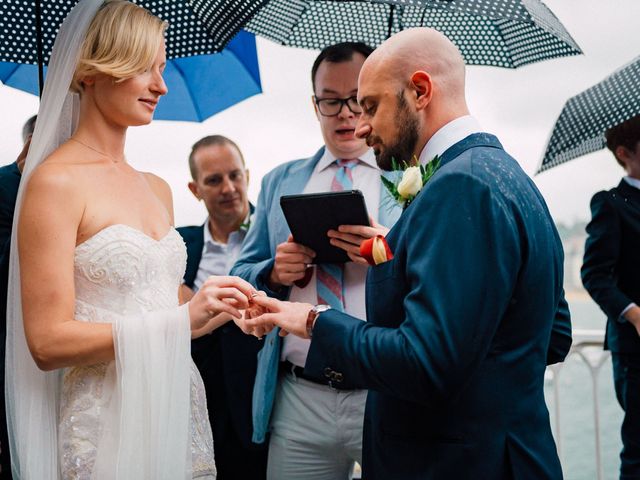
(310, 216)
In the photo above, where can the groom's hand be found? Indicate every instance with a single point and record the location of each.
(291, 317)
(349, 238)
(291, 262)
(252, 311)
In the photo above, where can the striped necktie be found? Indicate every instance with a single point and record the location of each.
(329, 276)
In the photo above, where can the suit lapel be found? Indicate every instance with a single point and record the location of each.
(194, 255)
(293, 182)
(472, 141)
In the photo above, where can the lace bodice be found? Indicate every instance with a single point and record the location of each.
(122, 271)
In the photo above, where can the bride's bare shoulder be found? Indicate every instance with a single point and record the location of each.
(161, 189)
(57, 172)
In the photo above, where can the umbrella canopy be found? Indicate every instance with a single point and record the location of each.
(503, 33)
(199, 86)
(580, 128)
(28, 27)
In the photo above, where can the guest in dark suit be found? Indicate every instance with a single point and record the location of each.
(9, 183)
(226, 357)
(611, 273)
(465, 317)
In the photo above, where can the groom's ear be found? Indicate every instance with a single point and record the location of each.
(423, 86)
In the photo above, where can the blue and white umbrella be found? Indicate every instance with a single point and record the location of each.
(29, 27)
(199, 86)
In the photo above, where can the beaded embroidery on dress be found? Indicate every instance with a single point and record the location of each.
(119, 271)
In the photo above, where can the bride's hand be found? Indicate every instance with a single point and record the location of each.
(254, 311)
(217, 295)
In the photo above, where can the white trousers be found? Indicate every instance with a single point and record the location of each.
(316, 431)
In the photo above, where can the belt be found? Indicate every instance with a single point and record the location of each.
(289, 367)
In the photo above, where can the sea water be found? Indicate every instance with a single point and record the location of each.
(577, 424)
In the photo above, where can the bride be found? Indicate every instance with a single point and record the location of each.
(100, 382)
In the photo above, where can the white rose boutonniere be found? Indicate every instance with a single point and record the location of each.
(413, 179)
(411, 183)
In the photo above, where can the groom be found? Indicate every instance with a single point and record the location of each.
(466, 316)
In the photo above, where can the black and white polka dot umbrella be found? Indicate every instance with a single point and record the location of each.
(503, 33)
(29, 27)
(580, 128)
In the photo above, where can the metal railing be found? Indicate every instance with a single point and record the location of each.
(587, 345)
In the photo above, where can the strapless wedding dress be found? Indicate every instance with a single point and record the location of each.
(121, 271)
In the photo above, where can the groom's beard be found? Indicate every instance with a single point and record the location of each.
(405, 143)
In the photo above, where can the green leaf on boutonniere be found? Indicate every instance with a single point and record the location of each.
(425, 172)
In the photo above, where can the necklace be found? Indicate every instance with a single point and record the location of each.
(95, 150)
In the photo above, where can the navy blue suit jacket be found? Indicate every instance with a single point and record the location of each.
(461, 325)
(612, 261)
(226, 358)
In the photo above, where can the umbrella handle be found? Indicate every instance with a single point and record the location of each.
(39, 46)
(391, 12)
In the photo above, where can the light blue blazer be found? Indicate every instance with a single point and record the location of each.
(256, 259)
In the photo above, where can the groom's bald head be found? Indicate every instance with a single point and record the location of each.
(417, 79)
(420, 49)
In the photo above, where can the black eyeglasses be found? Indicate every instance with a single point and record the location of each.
(330, 107)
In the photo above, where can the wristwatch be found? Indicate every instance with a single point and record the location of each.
(313, 315)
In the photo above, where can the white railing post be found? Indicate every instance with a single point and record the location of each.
(591, 342)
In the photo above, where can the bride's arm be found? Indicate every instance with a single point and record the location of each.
(48, 225)
(214, 322)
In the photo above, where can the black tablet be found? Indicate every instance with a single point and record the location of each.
(310, 216)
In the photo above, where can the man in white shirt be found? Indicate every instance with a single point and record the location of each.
(225, 357)
(316, 430)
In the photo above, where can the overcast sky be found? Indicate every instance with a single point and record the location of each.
(519, 106)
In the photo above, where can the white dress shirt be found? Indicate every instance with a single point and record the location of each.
(449, 135)
(366, 178)
(218, 258)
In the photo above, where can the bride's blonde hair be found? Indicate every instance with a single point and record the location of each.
(122, 41)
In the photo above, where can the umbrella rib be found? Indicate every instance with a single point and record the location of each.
(176, 65)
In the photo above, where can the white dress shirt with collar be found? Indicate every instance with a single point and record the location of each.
(218, 258)
(449, 135)
(366, 178)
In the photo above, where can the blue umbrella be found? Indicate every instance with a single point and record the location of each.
(199, 86)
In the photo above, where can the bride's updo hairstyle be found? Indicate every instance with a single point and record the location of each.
(122, 41)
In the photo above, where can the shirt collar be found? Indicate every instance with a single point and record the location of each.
(449, 135)
(328, 158)
(208, 238)
(634, 182)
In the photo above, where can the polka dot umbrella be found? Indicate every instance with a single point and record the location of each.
(503, 33)
(28, 27)
(580, 128)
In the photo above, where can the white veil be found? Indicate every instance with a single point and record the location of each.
(32, 395)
